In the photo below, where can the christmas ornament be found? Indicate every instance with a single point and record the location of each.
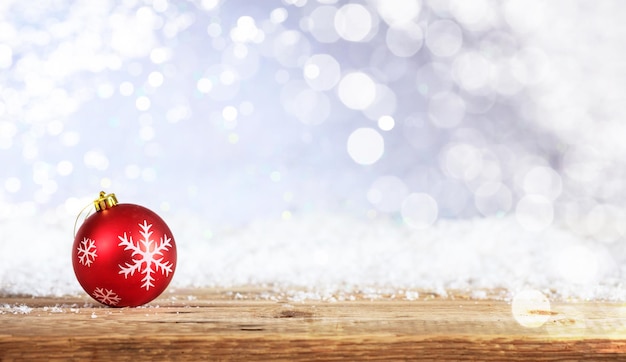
(124, 255)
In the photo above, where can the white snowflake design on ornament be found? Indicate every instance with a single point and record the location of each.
(87, 251)
(106, 296)
(148, 261)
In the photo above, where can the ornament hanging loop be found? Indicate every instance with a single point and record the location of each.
(103, 202)
(78, 217)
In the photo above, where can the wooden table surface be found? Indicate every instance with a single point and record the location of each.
(249, 324)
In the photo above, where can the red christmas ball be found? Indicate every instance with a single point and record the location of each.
(124, 255)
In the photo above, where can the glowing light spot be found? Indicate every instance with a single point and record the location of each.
(240, 51)
(309, 106)
(531, 309)
(386, 123)
(160, 55)
(210, 4)
(365, 146)
(530, 66)
(405, 41)
(278, 15)
(385, 102)
(387, 193)
(246, 31)
(142, 103)
(275, 176)
(127, 89)
(228, 77)
(233, 138)
(357, 90)
(204, 85)
(444, 38)
(419, 211)
(353, 22)
(534, 212)
(472, 71)
(229, 113)
(155, 79)
(471, 14)
(446, 109)
(463, 161)
(322, 25)
(286, 215)
(398, 12)
(311, 71)
(12, 184)
(322, 72)
(133, 36)
(177, 114)
(214, 30)
(65, 168)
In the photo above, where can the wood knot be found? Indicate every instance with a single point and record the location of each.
(293, 314)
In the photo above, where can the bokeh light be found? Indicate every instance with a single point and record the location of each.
(419, 210)
(422, 112)
(531, 308)
(357, 90)
(365, 146)
(353, 22)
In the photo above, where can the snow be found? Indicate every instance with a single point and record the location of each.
(15, 309)
(323, 255)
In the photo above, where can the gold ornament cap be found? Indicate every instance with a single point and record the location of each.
(105, 201)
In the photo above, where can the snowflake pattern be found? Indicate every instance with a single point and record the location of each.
(151, 258)
(106, 296)
(87, 251)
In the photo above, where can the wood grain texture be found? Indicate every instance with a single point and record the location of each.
(262, 325)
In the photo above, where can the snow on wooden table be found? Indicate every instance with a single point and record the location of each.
(254, 324)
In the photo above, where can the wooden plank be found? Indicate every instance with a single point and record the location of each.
(265, 325)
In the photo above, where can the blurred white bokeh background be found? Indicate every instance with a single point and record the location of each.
(420, 115)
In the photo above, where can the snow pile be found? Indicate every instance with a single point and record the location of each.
(324, 252)
(15, 309)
